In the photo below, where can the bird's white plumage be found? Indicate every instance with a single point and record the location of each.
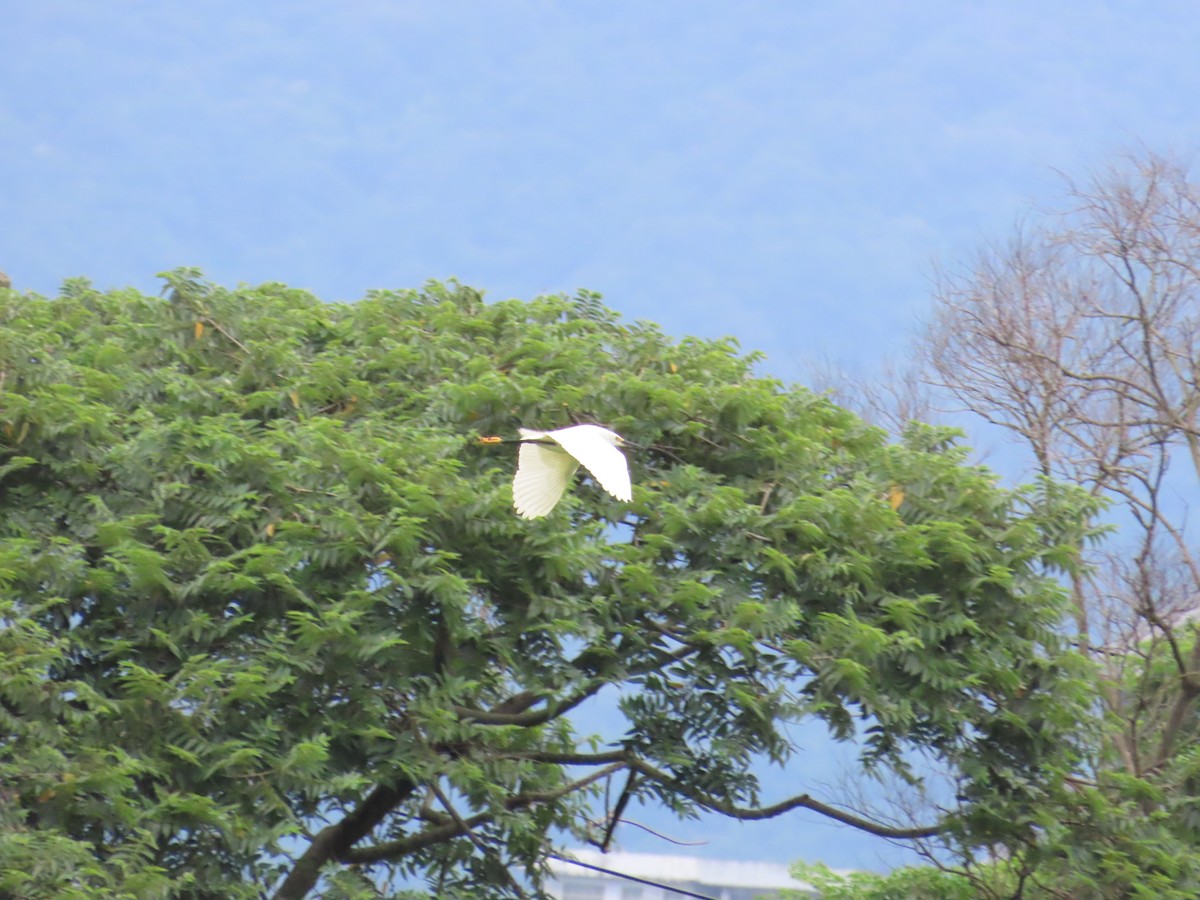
(544, 469)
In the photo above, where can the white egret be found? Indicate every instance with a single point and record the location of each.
(548, 459)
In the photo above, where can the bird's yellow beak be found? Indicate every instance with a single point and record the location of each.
(492, 439)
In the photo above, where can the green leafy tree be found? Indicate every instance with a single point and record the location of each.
(270, 623)
(910, 883)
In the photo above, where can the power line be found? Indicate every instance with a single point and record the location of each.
(666, 887)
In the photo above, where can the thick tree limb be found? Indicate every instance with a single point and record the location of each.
(334, 841)
(565, 759)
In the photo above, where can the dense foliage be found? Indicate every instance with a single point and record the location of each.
(268, 616)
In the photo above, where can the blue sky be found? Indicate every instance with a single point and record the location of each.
(783, 172)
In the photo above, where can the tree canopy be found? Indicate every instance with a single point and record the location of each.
(268, 618)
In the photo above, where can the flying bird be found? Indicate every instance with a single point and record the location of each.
(548, 459)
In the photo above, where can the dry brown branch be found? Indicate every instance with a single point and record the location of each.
(1082, 338)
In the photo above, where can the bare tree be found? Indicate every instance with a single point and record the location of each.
(1081, 337)
(891, 398)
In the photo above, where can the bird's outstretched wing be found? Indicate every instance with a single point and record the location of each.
(598, 455)
(543, 472)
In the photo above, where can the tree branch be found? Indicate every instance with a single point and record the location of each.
(441, 833)
(502, 714)
(800, 801)
(565, 759)
(527, 719)
(334, 841)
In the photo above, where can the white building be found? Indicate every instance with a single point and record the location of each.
(717, 878)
